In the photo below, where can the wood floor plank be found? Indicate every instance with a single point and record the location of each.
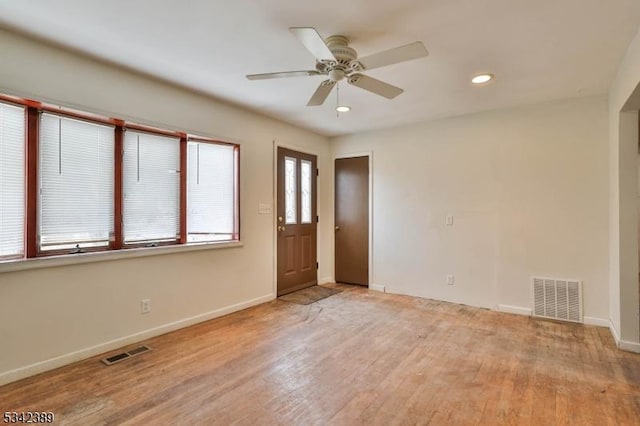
(355, 358)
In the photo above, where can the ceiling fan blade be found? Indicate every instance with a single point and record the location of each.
(282, 74)
(313, 42)
(393, 56)
(321, 93)
(375, 86)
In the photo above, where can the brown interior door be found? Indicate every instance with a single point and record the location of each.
(352, 220)
(296, 221)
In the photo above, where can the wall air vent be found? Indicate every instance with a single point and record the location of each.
(559, 299)
(125, 355)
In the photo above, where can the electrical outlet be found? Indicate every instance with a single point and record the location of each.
(145, 306)
(449, 219)
(450, 279)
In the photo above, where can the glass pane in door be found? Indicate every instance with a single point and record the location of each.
(290, 205)
(305, 189)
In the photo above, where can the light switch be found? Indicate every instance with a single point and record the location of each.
(449, 219)
(264, 208)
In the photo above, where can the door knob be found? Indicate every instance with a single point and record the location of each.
(337, 228)
(281, 228)
(279, 218)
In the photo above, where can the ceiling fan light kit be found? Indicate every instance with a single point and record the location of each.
(338, 61)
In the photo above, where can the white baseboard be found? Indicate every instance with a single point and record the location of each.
(629, 346)
(614, 333)
(600, 322)
(514, 310)
(376, 287)
(59, 361)
(625, 345)
(518, 310)
(402, 291)
(325, 280)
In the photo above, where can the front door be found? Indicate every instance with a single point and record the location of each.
(352, 220)
(296, 221)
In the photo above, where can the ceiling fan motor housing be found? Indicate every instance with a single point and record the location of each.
(345, 63)
(339, 46)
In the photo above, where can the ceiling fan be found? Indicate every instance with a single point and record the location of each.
(338, 61)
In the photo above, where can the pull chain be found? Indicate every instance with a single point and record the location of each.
(337, 99)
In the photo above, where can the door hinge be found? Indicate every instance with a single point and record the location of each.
(317, 172)
(317, 219)
(317, 265)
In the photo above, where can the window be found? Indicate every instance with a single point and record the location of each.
(12, 186)
(210, 191)
(151, 176)
(75, 183)
(290, 206)
(305, 190)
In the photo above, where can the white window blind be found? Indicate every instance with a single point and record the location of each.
(210, 192)
(12, 184)
(151, 180)
(76, 183)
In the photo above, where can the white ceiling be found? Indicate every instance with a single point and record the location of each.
(539, 50)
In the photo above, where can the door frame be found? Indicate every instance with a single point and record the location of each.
(274, 207)
(372, 285)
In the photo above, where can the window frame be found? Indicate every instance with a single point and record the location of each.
(33, 110)
(157, 132)
(74, 116)
(235, 236)
(236, 184)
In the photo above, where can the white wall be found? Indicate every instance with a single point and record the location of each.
(624, 103)
(52, 312)
(528, 191)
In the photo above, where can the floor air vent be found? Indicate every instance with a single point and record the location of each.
(125, 355)
(557, 299)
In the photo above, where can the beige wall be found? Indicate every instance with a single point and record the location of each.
(624, 103)
(52, 312)
(528, 191)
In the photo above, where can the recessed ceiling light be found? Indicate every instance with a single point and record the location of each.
(343, 108)
(482, 78)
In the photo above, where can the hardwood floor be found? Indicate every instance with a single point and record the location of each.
(358, 357)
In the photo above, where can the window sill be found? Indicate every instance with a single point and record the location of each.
(103, 256)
